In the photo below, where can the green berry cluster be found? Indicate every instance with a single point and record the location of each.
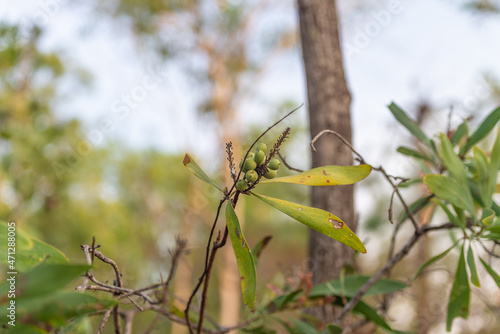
(253, 164)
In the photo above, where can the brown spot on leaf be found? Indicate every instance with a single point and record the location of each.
(187, 159)
(325, 173)
(327, 181)
(242, 277)
(300, 209)
(237, 232)
(336, 223)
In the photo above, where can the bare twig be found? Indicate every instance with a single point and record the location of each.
(388, 266)
(107, 314)
(287, 165)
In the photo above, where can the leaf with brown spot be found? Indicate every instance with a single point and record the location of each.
(317, 219)
(244, 258)
(326, 176)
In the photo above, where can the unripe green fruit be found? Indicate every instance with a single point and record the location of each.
(250, 155)
(261, 147)
(241, 185)
(241, 163)
(249, 164)
(270, 174)
(274, 164)
(251, 176)
(260, 157)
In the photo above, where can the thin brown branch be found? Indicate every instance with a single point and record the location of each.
(116, 320)
(287, 165)
(388, 266)
(105, 319)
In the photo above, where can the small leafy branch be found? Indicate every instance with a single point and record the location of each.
(460, 176)
(254, 166)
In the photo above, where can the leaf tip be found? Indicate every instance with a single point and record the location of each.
(187, 159)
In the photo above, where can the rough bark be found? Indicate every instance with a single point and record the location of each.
(329, 103)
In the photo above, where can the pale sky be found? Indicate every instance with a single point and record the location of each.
(398, 51)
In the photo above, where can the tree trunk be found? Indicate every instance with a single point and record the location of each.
(329, 101)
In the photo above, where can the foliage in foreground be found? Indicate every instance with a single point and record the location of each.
(460, 176)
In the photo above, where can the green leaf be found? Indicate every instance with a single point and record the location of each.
(482, 176)
(452, 161)
(474, 278)
(45, 279)
(494, 163)
(458, 304)
(422, 202)
(408, 123)
(435, 259)
(30, 252)
(351, 285)
(449, 190)
(244, 257)
(462, 131)
(326, 176)
(486, 126)
(487, 217)
(317, 219)
(57, 308)
(198, 172)
(454, 219)
(333, 329)
(303, 327)
(280, 302)
(412, 153)
(492, 272)
(371, 314)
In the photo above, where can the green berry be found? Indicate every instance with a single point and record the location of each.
(241, 163)
(270, 174)
(241, 185)
(261, 147)
(249, 164)
(251, 176)
(250, 155)
(260, 157)
(274, 164)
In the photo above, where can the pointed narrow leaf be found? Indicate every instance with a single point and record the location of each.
(352, 284)
(317, 219)
(326, 176)
(412, 153)
(494, 163)
(482, 176)
(408, 123)
(462, 131)
(488, 217)
(458, 304)
(474, 278)
(454, 219)
(451, 160)
(435, 259)
(449, 190)
(198, 172)
(486, 126)
(244, 257)
(333, 329)
(303, 327)
(492, 273)
(371, 314)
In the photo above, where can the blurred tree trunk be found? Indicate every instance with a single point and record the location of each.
(329, 102)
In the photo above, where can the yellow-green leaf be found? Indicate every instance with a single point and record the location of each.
(198, 172)
(326, 176)
(449, 190)
(244, 257)
(317, 219)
